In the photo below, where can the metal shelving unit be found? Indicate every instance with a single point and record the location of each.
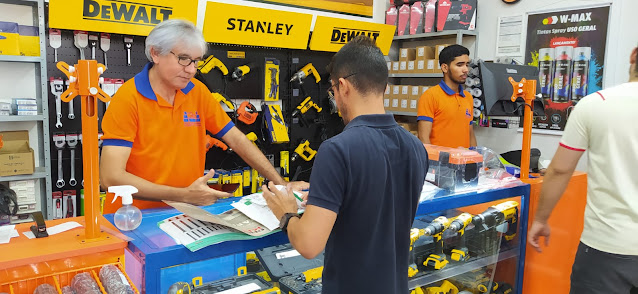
(404, 113)
(41, 121)
(459, 34)
(416, 75)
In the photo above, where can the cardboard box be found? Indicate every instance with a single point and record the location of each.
(9, 38)
(395, 67)
(438, 49)
(414, 92)
(29, 40)
(424, 52)
(420, 66)
(387, 96)
(407, 54)
(414, 102)
(396, 93)
(423, 89)
(456, 15)
(404, 104)
(16, 156)
(394, 103)
(405, 91)
(389, 66)
(403, 66)
(411, 67)
(430, 66)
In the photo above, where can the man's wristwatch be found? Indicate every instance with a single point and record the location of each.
(283, 223)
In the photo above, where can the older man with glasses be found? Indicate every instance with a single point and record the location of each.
(155, 127)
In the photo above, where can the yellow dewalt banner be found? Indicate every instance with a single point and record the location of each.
(235, 24)
(134, 17)
(330, 34)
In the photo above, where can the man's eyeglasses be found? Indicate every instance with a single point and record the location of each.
(186, 61)
(331, 92)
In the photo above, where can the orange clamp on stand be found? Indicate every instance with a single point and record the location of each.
(525, 89)
(84, 80)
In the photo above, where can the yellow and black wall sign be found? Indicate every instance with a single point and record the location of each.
(330, 34)
(243, 25)
(135, 17)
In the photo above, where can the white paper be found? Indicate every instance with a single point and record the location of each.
(255, 207)
(56, 229)
(509, 41)
(252, 287)
(287, 254)
(6, 233)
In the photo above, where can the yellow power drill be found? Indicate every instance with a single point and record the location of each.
(222, 99)
(305, 71)
(438, 259)
(459, 224)
(445, 288)
(415, 234)
(498, 214)
(211, 62)
(303, 107)
(304, 151)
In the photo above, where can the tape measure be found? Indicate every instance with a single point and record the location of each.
(247, 113)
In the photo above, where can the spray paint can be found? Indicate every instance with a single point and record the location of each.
(562, 74)
(580, 77)
(546, 71)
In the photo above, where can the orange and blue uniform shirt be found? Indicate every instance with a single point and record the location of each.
(450, 113)
(168, 142)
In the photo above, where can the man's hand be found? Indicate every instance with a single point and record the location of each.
(279, 203)
(198, 193)
(300, 186)
(538, 230)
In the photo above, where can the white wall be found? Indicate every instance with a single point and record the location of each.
(622, 36)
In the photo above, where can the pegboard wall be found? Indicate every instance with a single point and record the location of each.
(315, 127)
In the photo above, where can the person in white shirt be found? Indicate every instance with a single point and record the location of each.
(603, 123)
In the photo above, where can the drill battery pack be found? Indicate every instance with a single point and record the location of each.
(294, 273)
(242, 284)
(453, 169)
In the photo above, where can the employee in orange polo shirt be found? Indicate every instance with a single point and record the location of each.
(445, 110)
(155, 126)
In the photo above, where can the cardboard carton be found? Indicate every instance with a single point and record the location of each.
(16, 156)
(407, 54)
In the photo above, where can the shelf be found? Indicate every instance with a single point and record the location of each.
(5, 118)
(20, 221)
(416, 75)
(20, 2)
(437, 35)
(16, 58)
(40, 173)
(401, 113)
(454, 270)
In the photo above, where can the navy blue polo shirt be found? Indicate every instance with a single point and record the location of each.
(371, 175)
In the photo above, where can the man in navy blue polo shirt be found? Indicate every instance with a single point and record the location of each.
(364, 187)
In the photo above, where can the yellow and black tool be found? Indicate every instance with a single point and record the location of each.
(253, 138)
(445, 288)
(312, 274)
(438, 259)
(498, 214)
(211, 62)
(303, 107)
(304, 151)
(223, 99)
(241, 71)
(180, 288)
(284, 164)
(415, 234)
(304, 72)
(459, 224)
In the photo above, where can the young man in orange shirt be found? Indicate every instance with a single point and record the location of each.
(155, 126)
(445, 110)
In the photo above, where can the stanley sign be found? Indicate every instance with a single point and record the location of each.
(135, 17)
(330, 34)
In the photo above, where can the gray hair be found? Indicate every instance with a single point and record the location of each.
(166, 35)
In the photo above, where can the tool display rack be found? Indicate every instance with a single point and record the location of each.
(42, 172)
(159, 252)
(425, 39)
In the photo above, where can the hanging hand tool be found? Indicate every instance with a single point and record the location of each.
(438, 259)
(211, 62)
(93, 44)
(57, 88)
(210, 142)
(304, 151)
(459, 224)
(128, 43)
(253, 138)
(55, 41)
(105, 45)
(247, 113)
(274, 84)
(59, 141)
(303, 107)
(71, 114)
(498, 214)
(81, 41)
(72, 141)
(223, 99)
(305, 71)
(241, 71)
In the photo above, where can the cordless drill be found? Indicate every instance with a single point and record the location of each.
(211, 62)
(415, 234)
(305, 71)
(303, 107)
(437, 260)
(459, 224)
(223, 99)
(498, 214)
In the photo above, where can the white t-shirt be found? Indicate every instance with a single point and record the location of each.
(605, 124)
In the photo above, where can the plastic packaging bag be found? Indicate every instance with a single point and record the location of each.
(67, 290)
(114, 281)
(84, 283)
(45, 289)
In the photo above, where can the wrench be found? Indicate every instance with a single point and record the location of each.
(59, 141)
(71, 113)
(57, 88)
(72, 141)
(81, 41)
(93, 44)
(128, 43)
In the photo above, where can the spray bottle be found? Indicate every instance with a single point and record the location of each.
(581, 72)
(128, 217)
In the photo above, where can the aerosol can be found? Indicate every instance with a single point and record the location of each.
(580, 77)
(562, 74)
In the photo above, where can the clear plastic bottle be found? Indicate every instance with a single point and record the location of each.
(114, 281)
(45, 289)
(85, 284)
(128, 217)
